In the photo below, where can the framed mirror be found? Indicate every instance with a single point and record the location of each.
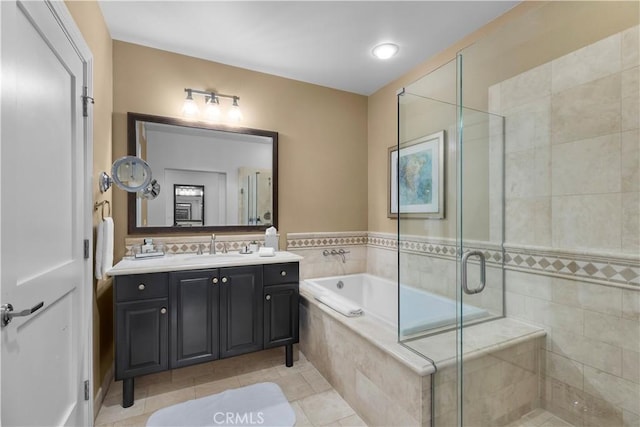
(226, 177)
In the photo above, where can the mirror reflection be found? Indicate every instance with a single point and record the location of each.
(188, 205)
(222, 178)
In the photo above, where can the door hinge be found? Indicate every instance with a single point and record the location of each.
(86, 390)
(86, 248)
(85, 101)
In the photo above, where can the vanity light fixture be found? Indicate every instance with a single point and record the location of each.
(234, 113)
(212, 111)
(190, 108)
(385, 50)
(212, 108)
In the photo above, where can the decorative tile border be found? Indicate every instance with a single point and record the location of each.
(607, 270)
(191, 244)
(323, 240)
(439, 248)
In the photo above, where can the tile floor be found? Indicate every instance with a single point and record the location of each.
(313, 399)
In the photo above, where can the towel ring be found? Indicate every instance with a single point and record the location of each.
(97, 205)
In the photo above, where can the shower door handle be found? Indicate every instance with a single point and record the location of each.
(483, 273)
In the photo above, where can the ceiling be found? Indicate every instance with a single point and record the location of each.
(320, 42)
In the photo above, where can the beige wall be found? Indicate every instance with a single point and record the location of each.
(322, 161)
(89, 19)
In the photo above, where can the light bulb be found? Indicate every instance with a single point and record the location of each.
(190, 108)
(234, 113)
(212, 109)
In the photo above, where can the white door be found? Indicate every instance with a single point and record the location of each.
(43, 218)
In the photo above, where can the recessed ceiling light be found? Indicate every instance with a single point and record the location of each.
(385, 50)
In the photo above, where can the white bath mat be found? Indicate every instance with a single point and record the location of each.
(261, 404)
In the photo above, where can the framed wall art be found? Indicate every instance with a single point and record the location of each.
(416, 178)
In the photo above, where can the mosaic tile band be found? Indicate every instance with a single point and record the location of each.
(607, 270)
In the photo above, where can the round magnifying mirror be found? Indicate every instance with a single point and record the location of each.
(131, 173)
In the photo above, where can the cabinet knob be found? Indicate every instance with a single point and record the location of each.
(283, 273)
(141, 287)
(214, 280)
(224, 280)
(268, 297)
(163, 310)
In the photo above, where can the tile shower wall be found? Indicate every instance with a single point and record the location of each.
(572, 225)
(572, 146)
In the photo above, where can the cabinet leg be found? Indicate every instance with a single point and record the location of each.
(288, 355)
(127, 392)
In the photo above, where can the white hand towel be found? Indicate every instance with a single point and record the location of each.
(107, 247)
(104, 248)
(341, 305)
(312, 288)
(99, 244)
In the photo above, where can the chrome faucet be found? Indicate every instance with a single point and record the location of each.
(224, 248)
(212, 248)
(340, 252)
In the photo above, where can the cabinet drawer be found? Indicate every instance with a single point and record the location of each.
(275, 274)
(142, 286)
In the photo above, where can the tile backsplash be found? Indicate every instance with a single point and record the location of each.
(191, 244)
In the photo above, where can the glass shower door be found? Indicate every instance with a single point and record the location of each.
(480, 274)
(449, 207)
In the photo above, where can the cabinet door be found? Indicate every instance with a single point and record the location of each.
(280, 315)
(241, 310)
(142, 336)
(194, 317)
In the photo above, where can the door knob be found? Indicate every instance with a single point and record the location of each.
(283, 273)
(163, 310)
(224, 280)
(214, 280)
(141, 287)
(268, 297)
(7, 313)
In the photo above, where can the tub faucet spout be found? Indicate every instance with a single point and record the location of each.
(340, 252)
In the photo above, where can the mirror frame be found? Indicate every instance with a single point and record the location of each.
(132, 224)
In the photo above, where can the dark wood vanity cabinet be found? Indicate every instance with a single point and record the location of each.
(141, 328)
(195, 298)
(241, 310)
(281, 295)
(171, 320)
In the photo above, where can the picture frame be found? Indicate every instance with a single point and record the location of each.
(417, 179)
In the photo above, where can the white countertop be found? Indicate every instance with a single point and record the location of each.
(179, 262)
